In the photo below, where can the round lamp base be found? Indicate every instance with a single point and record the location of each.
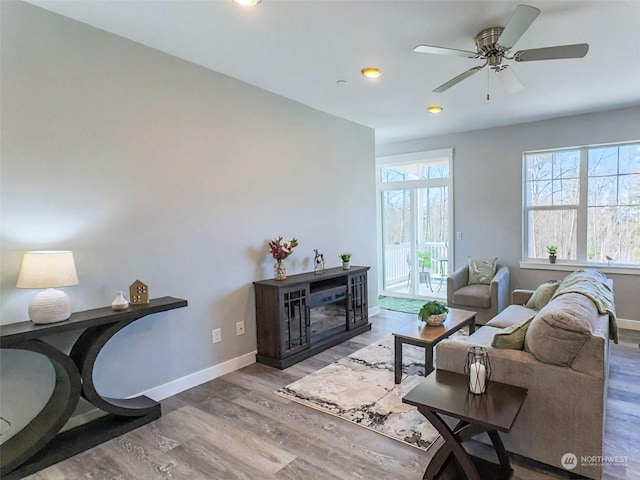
(50, 306)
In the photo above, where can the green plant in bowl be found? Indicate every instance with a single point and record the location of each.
(345, 257)
(433, 313)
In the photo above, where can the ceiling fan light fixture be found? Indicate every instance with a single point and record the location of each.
(371, 72)
(247, 3)
(434, 109)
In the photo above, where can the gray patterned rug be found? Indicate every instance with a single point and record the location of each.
(359, 388)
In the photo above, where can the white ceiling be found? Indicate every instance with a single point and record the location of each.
(301, 49)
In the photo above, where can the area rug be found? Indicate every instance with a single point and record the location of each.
(408, 305)
(360, 388)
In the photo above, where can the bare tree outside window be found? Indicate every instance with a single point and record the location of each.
(586, 201)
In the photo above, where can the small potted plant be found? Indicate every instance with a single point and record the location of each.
(433, 313)
(424, 262)
(346, 258)
(553, 250)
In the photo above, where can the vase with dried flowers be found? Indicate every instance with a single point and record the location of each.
(281, 249)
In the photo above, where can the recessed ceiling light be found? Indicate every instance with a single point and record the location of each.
(247, 3)
(434, 109)
(371, 72)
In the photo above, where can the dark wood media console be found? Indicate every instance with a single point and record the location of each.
(288, 328)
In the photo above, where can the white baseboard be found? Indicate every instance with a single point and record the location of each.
(174, 387)
(194, 379)
(628, 324)
(373, 311)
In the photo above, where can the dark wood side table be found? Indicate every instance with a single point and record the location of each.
(39, 444)
(447, 393)
(422, 335)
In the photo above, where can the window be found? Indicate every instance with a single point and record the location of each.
(586, 201)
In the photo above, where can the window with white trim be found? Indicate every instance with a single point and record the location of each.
(586, 202)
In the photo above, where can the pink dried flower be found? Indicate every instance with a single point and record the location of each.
(282, 249)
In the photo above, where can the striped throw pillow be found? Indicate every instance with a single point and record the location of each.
(512, 337)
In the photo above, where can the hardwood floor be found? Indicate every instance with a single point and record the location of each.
(234, 427)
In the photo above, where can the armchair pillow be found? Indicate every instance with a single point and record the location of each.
(481, 271)
(542, 295)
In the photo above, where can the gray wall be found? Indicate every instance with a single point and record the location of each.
(488, 187)
(149, 167)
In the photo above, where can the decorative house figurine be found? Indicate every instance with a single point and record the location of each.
(138, 293)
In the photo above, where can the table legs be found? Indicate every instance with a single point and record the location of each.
(428, 360)
(397, 361)
(453, 446)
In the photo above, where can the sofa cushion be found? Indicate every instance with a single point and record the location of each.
(512, 337)
(473, 296)
(542, 295)
(482, 270)
(561, 329)
(512, 315)
(483, 336)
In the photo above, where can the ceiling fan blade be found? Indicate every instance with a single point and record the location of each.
(509, 80)
(458, 79)
(444, 51)
(522, 17)
(578, 50)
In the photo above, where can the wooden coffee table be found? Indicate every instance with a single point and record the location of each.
(421, 335)
(447, 393)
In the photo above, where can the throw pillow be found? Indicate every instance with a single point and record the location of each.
(512, 337)
(481, 271)
(542, 295)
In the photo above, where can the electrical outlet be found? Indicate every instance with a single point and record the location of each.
(458, 235)
(216, 335)
(240, 328)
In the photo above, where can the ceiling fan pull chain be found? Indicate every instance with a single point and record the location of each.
(488, 69)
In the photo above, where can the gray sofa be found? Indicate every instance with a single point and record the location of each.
(565, 368)
(486, 300)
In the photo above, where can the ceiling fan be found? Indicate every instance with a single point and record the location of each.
(493, 45)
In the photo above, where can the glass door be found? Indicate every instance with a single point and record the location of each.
(415, 221)
(397, 240)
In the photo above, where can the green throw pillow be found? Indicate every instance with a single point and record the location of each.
(512, 337)
(482, 271)
(542, 295)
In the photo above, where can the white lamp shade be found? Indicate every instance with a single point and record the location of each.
(47, 269)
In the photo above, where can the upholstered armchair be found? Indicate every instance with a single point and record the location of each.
(486, 299)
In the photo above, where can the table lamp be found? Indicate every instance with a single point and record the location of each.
(48, 269)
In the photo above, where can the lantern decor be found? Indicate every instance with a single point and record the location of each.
(478, 369)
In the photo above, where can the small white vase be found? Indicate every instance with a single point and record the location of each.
(120, 302)
(346, 265)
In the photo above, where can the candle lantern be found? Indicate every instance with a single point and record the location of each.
(478, 369)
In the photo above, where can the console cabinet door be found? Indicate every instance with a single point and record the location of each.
(295, 321)
(357, 310)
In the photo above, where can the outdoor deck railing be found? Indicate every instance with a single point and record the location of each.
(397, 256)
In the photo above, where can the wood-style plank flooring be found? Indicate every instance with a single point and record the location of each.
(234, 427)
